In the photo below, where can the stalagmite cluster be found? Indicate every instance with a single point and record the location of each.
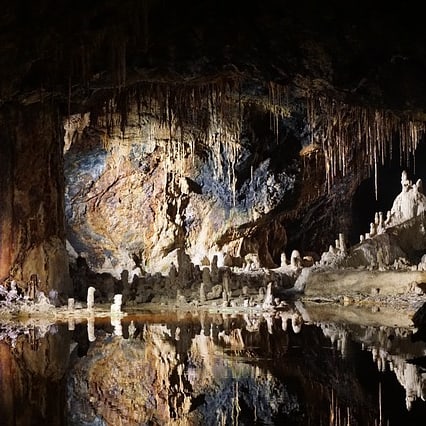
(383, 246)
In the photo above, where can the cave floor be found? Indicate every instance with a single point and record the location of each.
(357, 307)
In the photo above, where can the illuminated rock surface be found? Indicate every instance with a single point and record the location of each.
(215, 128)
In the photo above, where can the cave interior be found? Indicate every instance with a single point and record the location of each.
(131, 130)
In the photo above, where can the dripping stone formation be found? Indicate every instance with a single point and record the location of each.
(145, 164)
(391, 246)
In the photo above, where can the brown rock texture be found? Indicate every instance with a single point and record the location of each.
(32, 237)
(136, 194)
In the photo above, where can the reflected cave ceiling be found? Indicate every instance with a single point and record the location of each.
(265, 123)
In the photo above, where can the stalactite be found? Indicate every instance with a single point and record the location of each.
(356, 135)
(182, 110)
(353, 139)
(277, 105)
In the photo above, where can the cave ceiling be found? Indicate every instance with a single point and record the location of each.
(360, 50)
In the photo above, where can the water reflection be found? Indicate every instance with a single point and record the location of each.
(33, 363)
(212, 369)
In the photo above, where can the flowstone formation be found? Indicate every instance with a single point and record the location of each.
(411, 202)
(390, 259)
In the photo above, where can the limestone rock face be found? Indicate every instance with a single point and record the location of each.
(134, 197)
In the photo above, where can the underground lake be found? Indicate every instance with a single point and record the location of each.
(195, 367)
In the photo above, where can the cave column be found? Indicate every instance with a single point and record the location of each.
(32, 225)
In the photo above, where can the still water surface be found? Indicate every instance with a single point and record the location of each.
(211, 369)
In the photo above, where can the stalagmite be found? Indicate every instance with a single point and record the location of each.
(91, 297)
(372, 229)
(226, 283)
(381, 224)
(268, 301)
(33, 286)
(116, 306)
(342, 243)
(214, 270)
(227, 260)
(337, 244)
(207, 281)
(225, 298)
(172, 274)
(295, 260)
(388, 218)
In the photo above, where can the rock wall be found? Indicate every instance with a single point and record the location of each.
(136, 194)
(32, 229)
